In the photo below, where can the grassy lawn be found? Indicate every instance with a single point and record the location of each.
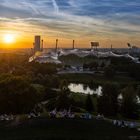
(65, 129)
(86, 78)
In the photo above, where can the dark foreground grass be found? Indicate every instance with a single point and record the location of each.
(65, 129)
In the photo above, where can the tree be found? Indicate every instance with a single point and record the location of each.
(63, 100)
(130, 107)
(18, 96)
(108, 102)
(102, 64)
(91, 65)
(138, 91)
(42, 68)
(93, 85)
(109, 72)
(64, 85)
(89, 104)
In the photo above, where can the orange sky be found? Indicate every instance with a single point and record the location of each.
(23, 41)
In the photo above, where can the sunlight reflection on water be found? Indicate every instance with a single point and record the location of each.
(81, 88)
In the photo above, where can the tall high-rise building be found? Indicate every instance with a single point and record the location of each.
(37, 43)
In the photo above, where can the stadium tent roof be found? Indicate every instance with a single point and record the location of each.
(53, 55)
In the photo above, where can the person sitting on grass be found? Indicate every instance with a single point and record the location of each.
(99, 117)
(70, 115)
(86, 116)
(132, 125)
(114, 122)
(123, 124)
(53, 113)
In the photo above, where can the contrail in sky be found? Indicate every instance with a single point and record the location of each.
(56, 7)
(28, 4)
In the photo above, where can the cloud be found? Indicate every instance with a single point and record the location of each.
(72, 18)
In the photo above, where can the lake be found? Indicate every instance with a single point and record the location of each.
(82, 88)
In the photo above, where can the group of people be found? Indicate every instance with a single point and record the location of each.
(121, 123)
(6, 117)
(61, 114)
(86, 116)
(100, 117)
(68, 114)
(33, 115)
(55, 114)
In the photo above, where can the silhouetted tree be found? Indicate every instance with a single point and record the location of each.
(18, 96)
(109, 72)
(89, 104)
(138, 91)
(64, 85)
(108, 102)
(130, 107)
(63, 100)
(102, 65)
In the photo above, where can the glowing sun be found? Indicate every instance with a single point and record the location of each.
(9, 38)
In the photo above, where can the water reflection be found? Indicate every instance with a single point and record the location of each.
(83, 88)
(120, 98)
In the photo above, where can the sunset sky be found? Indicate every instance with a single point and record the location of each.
(107, 21)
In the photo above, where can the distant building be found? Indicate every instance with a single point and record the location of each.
(37, 43)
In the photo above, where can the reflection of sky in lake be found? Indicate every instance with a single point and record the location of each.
(81, 88)
(120, 97)
(138, 99)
